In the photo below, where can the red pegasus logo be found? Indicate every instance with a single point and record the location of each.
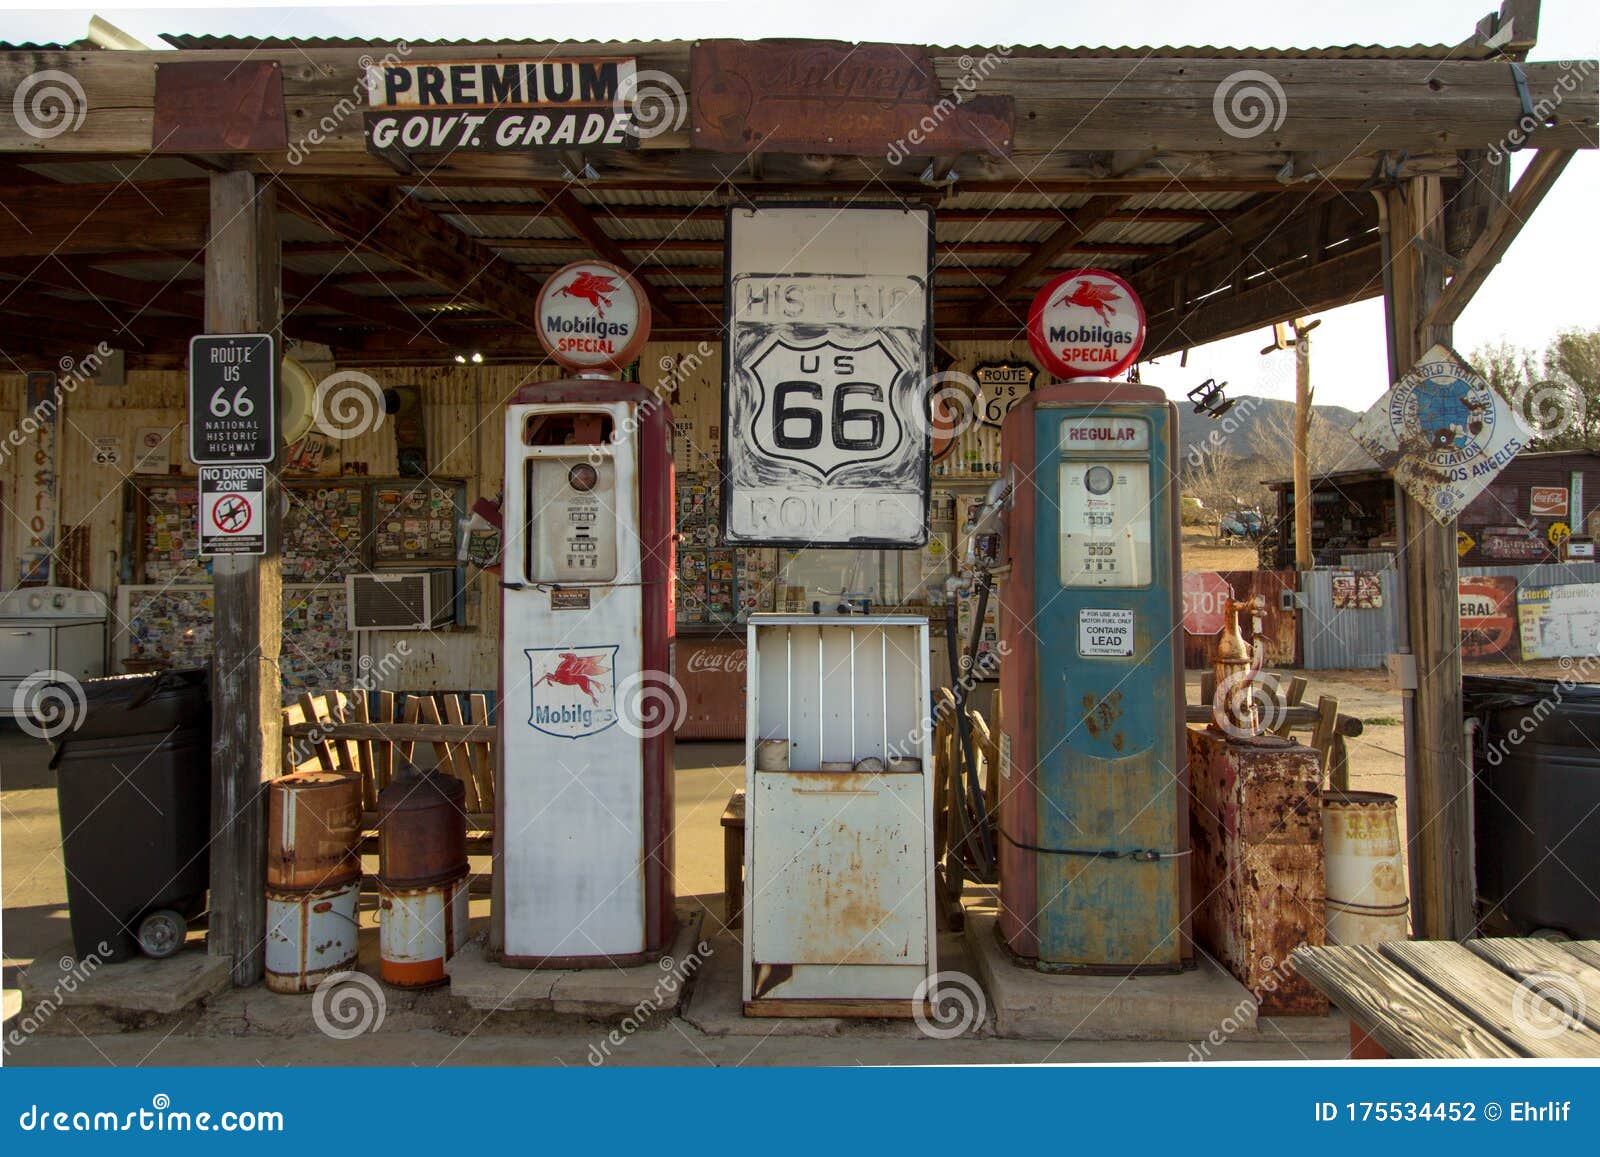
(1087, 295)
(578, 671)
(594, 288)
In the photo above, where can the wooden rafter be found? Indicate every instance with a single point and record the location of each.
(40, 220)
(581, 221)
(417, 240)
(1502, 230)
(1075, 224)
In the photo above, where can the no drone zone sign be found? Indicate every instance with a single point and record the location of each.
(233, 509)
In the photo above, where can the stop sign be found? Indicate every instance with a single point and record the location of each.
(1205, 601)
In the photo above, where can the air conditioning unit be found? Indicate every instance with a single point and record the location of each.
(401, 600)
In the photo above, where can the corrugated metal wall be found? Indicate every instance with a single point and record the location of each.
(1349, 637)
(1346, 636)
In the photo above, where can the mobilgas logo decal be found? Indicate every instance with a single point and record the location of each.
(573, 690)
(1086, 322)
(590, 315)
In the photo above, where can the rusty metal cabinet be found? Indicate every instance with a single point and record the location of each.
(838, 832)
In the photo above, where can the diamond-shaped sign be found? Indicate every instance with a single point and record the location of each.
(1444, 431)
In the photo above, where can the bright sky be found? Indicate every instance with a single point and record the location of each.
(1545, 283)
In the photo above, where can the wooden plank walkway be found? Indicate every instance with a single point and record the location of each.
(1499, 998)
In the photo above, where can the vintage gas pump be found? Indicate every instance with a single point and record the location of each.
(582, 836)
(1093, 822)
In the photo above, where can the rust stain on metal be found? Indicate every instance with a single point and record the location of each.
(313, 829)
(1099, 715)
(422, 829)
(837, 98)
(232, 106)
(1256, 835)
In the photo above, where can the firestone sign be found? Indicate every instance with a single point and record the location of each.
(1086, 323)
(592, 317)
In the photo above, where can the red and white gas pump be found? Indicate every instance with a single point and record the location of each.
(584, 808)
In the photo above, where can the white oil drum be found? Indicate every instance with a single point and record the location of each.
(311, 934)
(1366, 885)
(419, 929)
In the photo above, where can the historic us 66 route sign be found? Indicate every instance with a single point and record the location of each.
(825, 437)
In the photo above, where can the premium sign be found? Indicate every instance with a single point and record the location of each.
(1444, 432)
(1086, 323)
(592, 316)
(499, 105)
(825, 376)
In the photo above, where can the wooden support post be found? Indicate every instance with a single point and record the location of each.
(1438, 789)
(1303, 559)
(243, 296)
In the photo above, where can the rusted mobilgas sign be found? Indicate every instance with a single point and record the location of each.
(865, 100)
(499, 105)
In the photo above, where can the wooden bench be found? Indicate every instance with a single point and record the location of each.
(339, 732)
(1484, 999)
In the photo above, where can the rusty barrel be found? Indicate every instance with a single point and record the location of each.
(311, 934)
(313, 830)
(419, 928)
(1366, 886)
(422, 829)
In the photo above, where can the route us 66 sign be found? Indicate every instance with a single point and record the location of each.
(824, 409)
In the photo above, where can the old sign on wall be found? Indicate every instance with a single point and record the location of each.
(825, 375)
(233, 398)
(496, 106)
(1444, 431)
(1559, 622)
(826, 96)
(1488, 605)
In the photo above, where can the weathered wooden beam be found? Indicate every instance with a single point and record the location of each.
(1228, 238)
(415, 239)
(1502, 229)
(41, 220)
(1075, 224)
(1350, 276)
(89, 322)
(581, 221)
(78, 275)
(1438, 785)
(242, 296)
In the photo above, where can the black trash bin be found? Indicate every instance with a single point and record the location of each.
(1536, 801)
(134, 792)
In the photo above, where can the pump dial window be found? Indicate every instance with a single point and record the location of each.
(582, 477)
(1099, 480)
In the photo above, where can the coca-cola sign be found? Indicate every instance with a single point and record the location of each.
(709, 660)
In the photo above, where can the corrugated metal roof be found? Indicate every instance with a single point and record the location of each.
(202, 41)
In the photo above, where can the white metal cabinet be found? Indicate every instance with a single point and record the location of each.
(839, 853)
(49, 629)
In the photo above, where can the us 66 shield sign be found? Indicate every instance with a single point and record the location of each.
(825, 437)
(233, 398)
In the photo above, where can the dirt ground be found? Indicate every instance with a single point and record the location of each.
(1202, 551)
(34, 921)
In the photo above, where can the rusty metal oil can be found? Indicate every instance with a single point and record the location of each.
(313, 830)
(310, 935)
(422, 829)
